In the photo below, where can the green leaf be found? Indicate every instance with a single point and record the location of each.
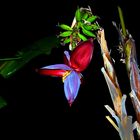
(67, 40)
(95, 26)
(65, 34)
(82, 37)
(65, 27)
(2, 102)
(73, 45)
(92, 18)
(85, 16)
(88, 33)
(42, 46)
(79, 25)
(87, 27)
(78, 15)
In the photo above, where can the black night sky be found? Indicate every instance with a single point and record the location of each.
(37, 107)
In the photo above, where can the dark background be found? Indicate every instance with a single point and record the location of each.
(37, 107)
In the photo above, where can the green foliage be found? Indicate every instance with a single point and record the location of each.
(88, 33)
(65, 34)
(78, 15)
(92, 18)
(8, 66)
(3, 103)
(84, 25)
(65, 27)
(82, 37)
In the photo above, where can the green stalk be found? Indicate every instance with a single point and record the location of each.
(122, 21)
(9, 59)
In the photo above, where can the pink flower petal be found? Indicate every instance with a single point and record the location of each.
(82, 55)
(52, 72)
